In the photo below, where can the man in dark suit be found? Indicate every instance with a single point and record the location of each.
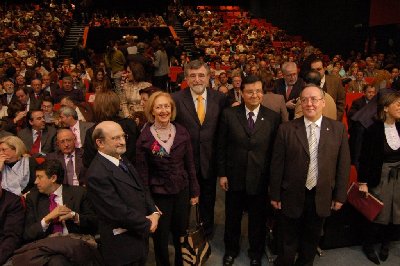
(235, 94)
(38, 137)
(69, 156)
(333, 86)
(289, 86)
(12, 215)
(69, 118)
(124, 207)
(56, 208)
(356, 129)
(309, 174)
(28, 103)
(9, 96)
(68, 89)
(245, 140)
(202, 132)
(37, 91)
(395, 79)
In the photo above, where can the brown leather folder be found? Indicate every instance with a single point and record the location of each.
(369, 206)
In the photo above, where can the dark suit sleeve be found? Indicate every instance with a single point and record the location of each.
(222, 144)
(33, 227)
(277, 165)
(87, 216)
(342, 168)
(355, 106)
(190, 168)
(13, 226)
(111, 206)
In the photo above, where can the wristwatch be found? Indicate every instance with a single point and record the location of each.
(73, 214)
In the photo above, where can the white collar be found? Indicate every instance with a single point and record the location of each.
(194, 95)
(255, 111)
(308, 122)
(110, 158)
(58, 191)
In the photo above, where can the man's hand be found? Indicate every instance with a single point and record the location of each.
(194, 201)
(223, 183)
(290, 104)
(154, 221)
(68, 216)
(276, 204)
(336, 205)
(57, 212)
(363, 188)
(235, 104)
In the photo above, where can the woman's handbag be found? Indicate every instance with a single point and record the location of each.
(194, 245)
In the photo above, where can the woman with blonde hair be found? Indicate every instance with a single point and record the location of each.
(164, 159)
(17, 169)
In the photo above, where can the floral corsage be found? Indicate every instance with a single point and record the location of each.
(158, 150)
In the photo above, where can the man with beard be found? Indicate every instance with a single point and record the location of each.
(198, 109)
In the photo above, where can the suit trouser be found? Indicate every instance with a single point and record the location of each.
(235, 203)
(207, 203)
(300, 235)
(174, 219)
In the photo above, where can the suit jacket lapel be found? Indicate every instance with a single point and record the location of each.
(43, 205)
(211, 108)
(189, 104)
(118, 173)
(324, 136)
(78, 162)
(45, 136)
(241, 115)
(67, 196)
(260, 119)
(302, 134)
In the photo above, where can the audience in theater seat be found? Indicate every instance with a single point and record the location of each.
(38, 137)
(69, 118)
(357, 85)
(17, 169)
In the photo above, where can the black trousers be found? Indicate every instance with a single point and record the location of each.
(174, 219)
(207, 203)
(235, 203)
(300, 235)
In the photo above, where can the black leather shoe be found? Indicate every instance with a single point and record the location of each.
(384, 253)
(371, 255)
(228, 260)
(255, 262)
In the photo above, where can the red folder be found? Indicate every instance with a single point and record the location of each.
(369, 206)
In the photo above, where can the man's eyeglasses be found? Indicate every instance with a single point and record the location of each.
(314, 100)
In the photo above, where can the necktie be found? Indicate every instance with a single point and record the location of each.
(36, 145)
(123, 166)
(70, 170)
(200, 109)
(57, 225)
(237, 96)
(250, 121)
(288, 91)
(313, 166)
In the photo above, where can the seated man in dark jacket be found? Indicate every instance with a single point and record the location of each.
(11, 223)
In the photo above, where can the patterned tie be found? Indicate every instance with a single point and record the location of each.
(313, 166)
(250, 121)
(123, 166)
(200, 109)
(70, 170)
(57, 225)
(36, 145)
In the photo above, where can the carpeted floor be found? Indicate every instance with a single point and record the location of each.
(349, 256)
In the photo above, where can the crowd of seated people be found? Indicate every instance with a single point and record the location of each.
(100, 19)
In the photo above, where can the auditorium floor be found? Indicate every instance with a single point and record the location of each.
(350, 256)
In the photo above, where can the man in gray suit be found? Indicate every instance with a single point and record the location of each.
(38, 137)
(309, 174)
(69, 156)
(69, 118)
(245, 139)
(202, 125)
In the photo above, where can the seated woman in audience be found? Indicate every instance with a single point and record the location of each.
(12, 215)
(379, 174)
(130, 97)
(17, 169)
(100, 83)
(165, 162)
